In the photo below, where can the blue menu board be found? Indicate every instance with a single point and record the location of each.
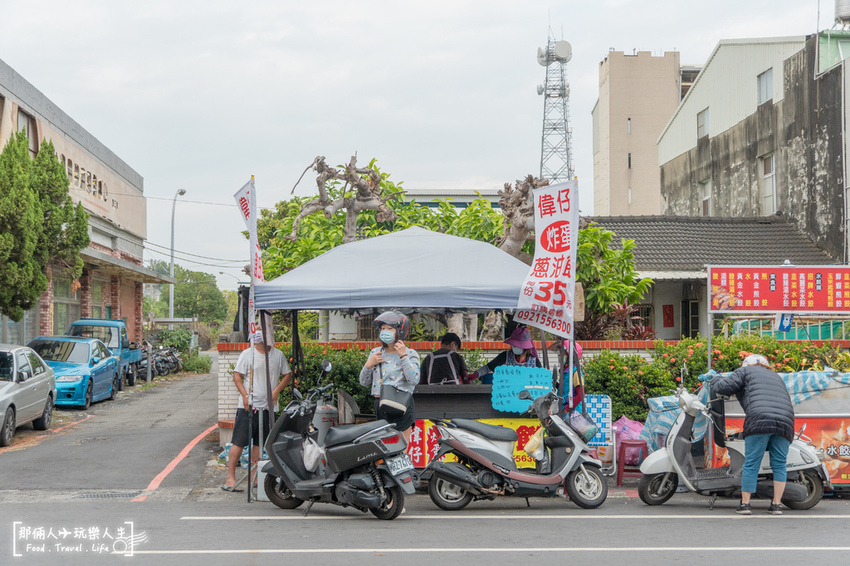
(508, 381)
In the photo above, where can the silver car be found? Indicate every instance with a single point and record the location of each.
(27, 391)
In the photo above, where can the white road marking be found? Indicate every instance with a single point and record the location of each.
(526, 550)
(470, 517)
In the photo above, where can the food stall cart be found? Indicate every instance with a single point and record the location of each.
(415, 271)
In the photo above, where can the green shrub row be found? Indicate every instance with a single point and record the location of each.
(632, 379)
(197, 363)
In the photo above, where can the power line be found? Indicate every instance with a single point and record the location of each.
(210, 203)
(186, 260)
(148, 242)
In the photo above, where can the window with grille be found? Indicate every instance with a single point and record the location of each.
(646, 315)
(366, 328)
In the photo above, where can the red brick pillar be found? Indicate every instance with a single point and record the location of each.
(85, 295)
(115, 297)
(45, 307)
(137, 323)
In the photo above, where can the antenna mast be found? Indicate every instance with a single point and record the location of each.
(556, 144)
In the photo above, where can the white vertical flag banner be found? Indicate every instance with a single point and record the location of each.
(246, 199)
(547, 296)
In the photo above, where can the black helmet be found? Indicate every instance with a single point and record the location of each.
(395, 319)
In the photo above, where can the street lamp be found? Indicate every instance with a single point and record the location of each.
(180, 192)
(230, 275)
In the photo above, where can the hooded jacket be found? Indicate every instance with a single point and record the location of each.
(764, 398)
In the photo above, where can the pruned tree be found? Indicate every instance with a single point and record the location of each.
(366, 182)
(517, 204)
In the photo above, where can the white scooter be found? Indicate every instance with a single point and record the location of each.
(663, 469)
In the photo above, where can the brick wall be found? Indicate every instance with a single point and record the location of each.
(137, 319)
(85, 295)
(115, 297)
(45, 309)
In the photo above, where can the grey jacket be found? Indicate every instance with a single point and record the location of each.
(764, 398)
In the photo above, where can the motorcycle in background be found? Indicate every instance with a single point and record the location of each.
(485, 466)
(663, 469)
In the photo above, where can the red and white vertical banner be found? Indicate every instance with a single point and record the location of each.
(547, 295)
(246, 199)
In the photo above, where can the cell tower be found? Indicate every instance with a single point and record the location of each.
(555, 148)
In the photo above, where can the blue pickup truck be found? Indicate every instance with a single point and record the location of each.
(113, 333)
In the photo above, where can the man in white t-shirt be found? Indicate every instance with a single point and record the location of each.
(280, 376)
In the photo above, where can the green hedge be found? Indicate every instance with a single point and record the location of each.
(630, 379)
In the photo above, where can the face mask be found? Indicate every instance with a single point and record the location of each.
(517, 351)
(387, 336)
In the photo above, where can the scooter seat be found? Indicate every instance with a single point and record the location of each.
(341, 434)
(493, 432)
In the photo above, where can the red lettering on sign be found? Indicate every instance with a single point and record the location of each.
(556, 237)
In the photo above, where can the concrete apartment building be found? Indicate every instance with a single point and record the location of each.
(638, 94)
(763, 131)
(112, 194)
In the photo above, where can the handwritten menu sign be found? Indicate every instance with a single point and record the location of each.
(508, 381)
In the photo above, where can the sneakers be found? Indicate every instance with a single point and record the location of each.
(775, 509)
(744, 509)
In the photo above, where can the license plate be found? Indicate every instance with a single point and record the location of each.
(399, 464)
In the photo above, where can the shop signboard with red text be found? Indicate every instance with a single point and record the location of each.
(548, 292)
(821, 289)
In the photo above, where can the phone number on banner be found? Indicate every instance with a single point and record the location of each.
(542, 320)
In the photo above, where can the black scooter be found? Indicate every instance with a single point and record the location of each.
(364, 466)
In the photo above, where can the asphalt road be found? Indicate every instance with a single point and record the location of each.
(143, 466)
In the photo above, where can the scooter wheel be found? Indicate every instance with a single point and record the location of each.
(446, 495)
(653, 489)
(587, 487)
(393, 506)
(814, 491)
(279, 494)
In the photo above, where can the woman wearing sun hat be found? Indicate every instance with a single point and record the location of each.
(521, 353)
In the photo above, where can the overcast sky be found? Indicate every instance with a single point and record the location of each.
(200, 95)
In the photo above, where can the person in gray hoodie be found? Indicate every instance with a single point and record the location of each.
(768, 426)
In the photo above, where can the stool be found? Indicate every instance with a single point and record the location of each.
(622, 469)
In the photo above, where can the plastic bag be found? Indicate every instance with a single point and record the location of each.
(582, 424)
(629, 430)
(534, 446)
(313, 454)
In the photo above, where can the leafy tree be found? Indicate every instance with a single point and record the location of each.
(607, 274)
(38, 224)
(317, 234)
(196, 293)
(610, 281)
(231, 299)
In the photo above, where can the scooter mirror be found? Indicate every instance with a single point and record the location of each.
(326, 366)
(525, 395)
(297, 394)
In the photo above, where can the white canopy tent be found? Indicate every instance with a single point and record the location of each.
(414, 270)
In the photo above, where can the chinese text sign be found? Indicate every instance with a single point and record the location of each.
(809, 289)
(548, 292)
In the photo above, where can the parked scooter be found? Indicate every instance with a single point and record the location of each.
(486, 468)
(665, 468)
(364, 466)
